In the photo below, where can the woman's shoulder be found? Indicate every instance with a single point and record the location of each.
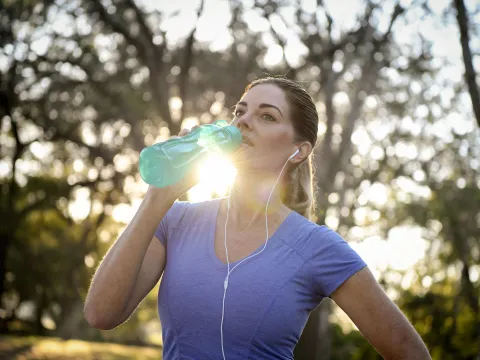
(193, 209)
(310, 238)
(197, 205)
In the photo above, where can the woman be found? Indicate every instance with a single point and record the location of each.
(241, 274)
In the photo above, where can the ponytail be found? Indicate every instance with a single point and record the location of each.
(299, 192)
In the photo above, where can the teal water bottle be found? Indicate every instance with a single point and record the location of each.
(167, 162)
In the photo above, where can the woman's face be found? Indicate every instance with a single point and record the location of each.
(263, 117)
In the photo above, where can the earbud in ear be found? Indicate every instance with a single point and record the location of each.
(293, 155)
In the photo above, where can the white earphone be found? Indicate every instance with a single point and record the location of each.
(293, 155)
(225, 282)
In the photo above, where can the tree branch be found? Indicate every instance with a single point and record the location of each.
(147, 33)
(9, 105)
(187, 62)
(365, 83)
(117, 26)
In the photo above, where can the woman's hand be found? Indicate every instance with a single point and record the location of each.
(177, 190)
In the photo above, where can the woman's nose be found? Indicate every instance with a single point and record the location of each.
(243, 121)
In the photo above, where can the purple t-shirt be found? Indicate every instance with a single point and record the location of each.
(269, 296)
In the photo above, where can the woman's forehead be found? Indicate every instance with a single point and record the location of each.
(266, 93)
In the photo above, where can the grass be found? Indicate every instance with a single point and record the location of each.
(36, 348)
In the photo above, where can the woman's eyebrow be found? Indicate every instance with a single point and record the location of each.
(263, 105)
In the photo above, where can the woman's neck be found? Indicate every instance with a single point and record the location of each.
(249, 197)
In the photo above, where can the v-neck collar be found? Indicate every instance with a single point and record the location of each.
(219, 264)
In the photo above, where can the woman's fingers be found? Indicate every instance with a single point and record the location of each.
(182, 132)
(185, 131)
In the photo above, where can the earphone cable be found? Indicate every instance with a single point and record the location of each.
(225, 283)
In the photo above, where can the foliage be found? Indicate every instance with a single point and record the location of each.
(85, 85)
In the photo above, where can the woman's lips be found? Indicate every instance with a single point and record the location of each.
(246, 141)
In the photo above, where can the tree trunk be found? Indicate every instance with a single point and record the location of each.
(472, 299)
(72, 321)
(4, 242)
(315, 343)
(41, 304)
(470, 76)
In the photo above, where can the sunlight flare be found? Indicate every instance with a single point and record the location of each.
(216, 175)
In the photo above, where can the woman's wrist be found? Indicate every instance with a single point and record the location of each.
(158, 196)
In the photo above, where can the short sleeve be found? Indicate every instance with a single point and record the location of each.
(171, 220)
(333, 261)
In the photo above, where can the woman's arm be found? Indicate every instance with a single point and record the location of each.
(132, 266)
(378, 318)
(135, 262)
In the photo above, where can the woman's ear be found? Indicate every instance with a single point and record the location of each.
(304, 149)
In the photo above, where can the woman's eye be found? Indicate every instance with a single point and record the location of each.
(237, 113)
(268, 117)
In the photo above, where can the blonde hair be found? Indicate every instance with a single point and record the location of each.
(299, 192)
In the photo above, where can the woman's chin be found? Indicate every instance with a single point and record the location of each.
(245, 159)
(242, 164)
(240, 155)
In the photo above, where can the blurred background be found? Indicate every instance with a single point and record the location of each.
(86, 84)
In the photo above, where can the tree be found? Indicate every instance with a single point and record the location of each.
(107, 79)
(45, 101)
(90, 110)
